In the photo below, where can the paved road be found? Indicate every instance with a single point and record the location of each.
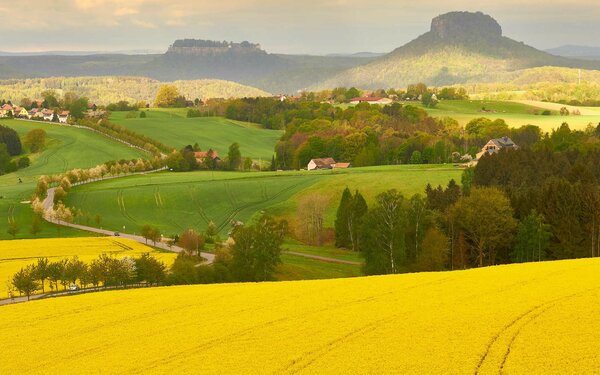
(48, 203)
(324, 259)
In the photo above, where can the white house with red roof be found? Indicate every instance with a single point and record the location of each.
(63, 117)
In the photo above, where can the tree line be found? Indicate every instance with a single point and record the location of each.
(251, 253)
(514, 206)
(104, 271)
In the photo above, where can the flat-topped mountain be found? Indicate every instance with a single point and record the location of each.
(460, 47)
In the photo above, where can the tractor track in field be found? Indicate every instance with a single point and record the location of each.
(238, 209)
(196, 203)
(122, 208)
(514, 328)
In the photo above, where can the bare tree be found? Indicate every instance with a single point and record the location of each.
(311, 217)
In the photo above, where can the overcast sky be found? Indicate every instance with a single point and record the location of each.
(299, 26)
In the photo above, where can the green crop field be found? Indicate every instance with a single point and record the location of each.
(67, 148)
(172, 128)
(515, 114)
(177, 201)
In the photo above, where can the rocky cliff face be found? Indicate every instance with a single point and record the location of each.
(460, 24)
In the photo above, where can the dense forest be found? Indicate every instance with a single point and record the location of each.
(539, 202)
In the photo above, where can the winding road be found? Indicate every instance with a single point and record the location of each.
(49, 202)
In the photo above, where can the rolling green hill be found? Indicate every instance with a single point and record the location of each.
(104, 90)
(172, 128)
(461, 47)
(177, 201)
(67, 148)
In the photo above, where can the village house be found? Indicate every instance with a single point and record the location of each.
(35, 113)
(322, 163)
(20, 112)
(495, 145)
(371, 100)
(63, 117)
(5, 110)
(48, 115)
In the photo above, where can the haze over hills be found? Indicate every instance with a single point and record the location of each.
(190, 59)
(461, 47)
(581, 52)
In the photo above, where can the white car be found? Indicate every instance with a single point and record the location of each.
(73, 287)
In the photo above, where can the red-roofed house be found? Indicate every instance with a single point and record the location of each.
(201, 156)
(63, 117)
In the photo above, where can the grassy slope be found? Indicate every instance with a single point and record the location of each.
(172, 128)
(515, 114)
(176, 201)
(527, 318)
(67, 148)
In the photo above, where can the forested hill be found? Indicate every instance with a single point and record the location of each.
(460, 47)
(192, 59)
(111, 89)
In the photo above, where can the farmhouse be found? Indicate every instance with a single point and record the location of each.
(495, 145)
(371, 100)
(323, 163)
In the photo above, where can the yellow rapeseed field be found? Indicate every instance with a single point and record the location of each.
(531, 318)
(19, 253)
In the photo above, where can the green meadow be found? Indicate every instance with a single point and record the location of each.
(171, 127)
(66, 148)
(176, 201)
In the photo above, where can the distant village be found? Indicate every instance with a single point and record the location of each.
(41, 114)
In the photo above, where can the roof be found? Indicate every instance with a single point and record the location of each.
(204, 154)
(7, 107)
(366, 99)
(342, 165)
(503, 142)
(323, 162)
(64, 113)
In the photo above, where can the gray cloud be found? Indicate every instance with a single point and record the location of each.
(308, 26)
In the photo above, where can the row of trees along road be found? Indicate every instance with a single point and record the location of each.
(103, 271)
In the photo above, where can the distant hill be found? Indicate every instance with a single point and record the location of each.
(191, 59)
(109, 89)
(581, 52)
(357, 54)
(460, 47)
(80, 53)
